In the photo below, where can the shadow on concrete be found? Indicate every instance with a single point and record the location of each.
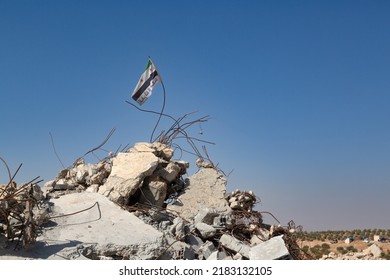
(42, 250)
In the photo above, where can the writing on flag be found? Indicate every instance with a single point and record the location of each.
(148, 80)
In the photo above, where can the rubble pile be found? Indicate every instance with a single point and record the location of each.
(239, 200)
(144, 174)
(138, 206)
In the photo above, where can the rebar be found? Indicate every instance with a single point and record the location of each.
(16, 205)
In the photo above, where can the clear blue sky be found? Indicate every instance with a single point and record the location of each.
(299, 92)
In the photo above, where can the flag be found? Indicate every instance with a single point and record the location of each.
(148, 80)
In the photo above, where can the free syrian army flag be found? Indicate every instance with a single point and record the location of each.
(148, 80)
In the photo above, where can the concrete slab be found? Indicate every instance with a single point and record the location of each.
(272, 249)
(103, 225)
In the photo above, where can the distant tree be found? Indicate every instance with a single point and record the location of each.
(341, 250)
(316, 251)
(351, 249)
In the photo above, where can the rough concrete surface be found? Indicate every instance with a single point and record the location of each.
(206, 188)
(105, 223)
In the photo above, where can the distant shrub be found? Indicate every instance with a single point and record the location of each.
(351, 249)
(341, 250)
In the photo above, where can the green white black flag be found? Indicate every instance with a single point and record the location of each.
(148, 80)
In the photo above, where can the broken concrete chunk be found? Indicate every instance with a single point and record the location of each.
(128, 171)
(153, 192)
(97, 178)
(184, 165)
(237, 256)
(48, 187)
(164, 225)
(92, 188)
(167, 153)
(235, 245)
(223, 221)
(169, 173)
(213, 256)
(206, 215)
(62, 174)
(259, 236)
(142, 147)
(248, 219)
(181, 251)
(194, 241)
(141, 251)
(178, 228)
(216, 255)
(239, 200)
(115, 232)
(207, 249)
(235, 205)
(205, 189)
(63, 184)
(105, 166)
(81, 175)
(205, 230)
(200, 163)
(158, 149)
(272, 249)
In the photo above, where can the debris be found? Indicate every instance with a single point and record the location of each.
(272, 249)
(200, 163)
(18, 204)
(106, 227)
(136, 205)
(153, 191)
(128, 172)
(239, 200)
(179, 229)
(206, 231)
(206, 250)
(194, 241)
(204, 189)
(259, 236)
(235, 245)
(206, 215)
